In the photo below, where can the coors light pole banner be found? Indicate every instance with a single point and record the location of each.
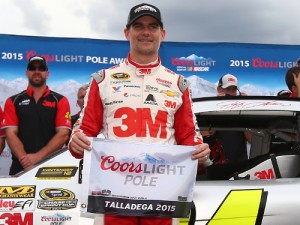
(138, 179)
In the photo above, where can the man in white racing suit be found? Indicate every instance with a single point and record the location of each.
(139, 100)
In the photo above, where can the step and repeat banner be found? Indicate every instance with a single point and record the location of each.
(260, 68)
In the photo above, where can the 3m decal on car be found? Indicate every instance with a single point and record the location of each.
(16, 218)
(241, 207)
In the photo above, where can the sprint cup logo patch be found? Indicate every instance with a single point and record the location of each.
(57, 199)
(120, 76)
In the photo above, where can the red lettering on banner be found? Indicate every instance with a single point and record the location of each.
(265, 174)
(49, 58)
(16, 218)
(109, 163)
(139, 121)
(258, 63)
(179, 62)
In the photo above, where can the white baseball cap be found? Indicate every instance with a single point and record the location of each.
(228, 80)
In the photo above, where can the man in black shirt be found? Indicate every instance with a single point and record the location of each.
(37, 120)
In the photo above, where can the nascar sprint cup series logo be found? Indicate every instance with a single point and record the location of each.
(57, 199)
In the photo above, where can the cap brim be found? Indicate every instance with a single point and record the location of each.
(37, 61)
(228, 85)
(144, 14)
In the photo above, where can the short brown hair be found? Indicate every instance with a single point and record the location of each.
(289, 76)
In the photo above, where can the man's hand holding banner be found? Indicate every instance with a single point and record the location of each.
(138, 179)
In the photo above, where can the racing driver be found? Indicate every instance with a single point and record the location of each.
(139, 100)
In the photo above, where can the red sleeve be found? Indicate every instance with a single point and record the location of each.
(185, 124)
(63, 116)
(92, 114)
(2, 134)
(10, 118)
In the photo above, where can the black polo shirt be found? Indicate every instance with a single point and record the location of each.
(37, 121)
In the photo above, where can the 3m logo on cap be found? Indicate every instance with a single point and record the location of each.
(231, 79)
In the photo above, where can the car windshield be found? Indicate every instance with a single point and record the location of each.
(272, 124)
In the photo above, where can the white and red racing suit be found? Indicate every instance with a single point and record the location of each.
(139, 103)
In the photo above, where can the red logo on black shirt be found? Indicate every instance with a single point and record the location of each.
(49, 104)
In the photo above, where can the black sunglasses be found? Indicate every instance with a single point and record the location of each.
(39, 68)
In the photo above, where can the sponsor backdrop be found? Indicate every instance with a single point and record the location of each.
(260, 68)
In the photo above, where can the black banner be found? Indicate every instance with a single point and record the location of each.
(134, 207)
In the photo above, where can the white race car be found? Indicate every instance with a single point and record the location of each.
(264, 190)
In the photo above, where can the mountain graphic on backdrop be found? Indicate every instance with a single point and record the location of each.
(203, 88)
(194, 57)
(200, 88)
(68, 89)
